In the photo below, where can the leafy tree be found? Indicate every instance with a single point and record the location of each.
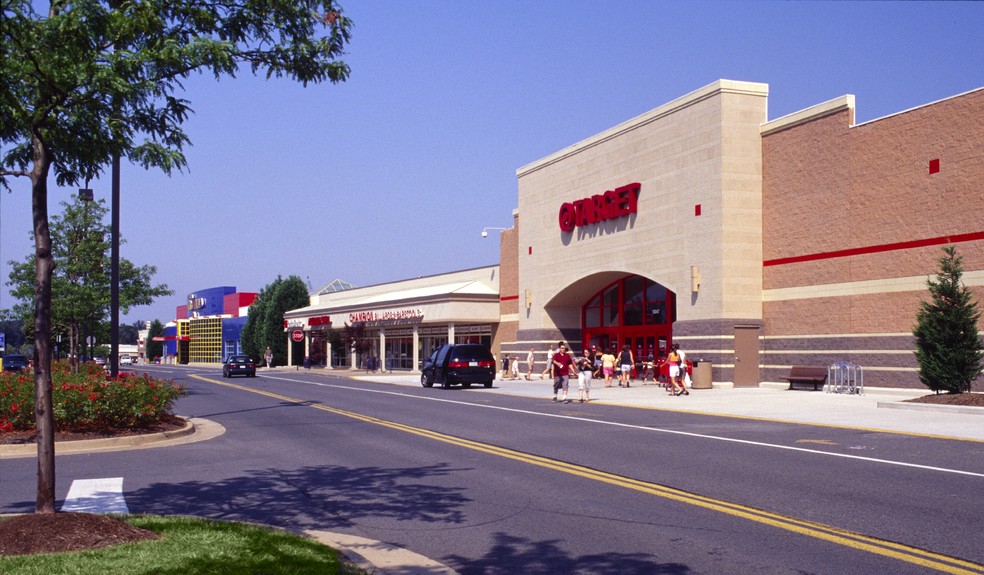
(13, 330)
(154, 348)
(80, 282)
(265, 325)
(129, 334)
(948, 345)
(356, 340)
(88, 81)
(251, 337)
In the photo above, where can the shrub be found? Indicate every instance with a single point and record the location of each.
(948, 345)
(89, 398)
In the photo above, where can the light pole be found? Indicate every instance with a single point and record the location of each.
(114, 328)
(114, 294)
(485, 231)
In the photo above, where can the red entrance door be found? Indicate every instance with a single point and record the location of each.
(633, 311)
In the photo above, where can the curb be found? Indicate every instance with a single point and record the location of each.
(195, 429)
(913, 406)
(375, 556)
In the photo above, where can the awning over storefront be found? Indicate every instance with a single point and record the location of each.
(474, 297)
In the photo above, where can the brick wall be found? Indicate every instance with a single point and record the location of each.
(852, 221)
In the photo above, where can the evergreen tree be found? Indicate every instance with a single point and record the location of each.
(948, 345)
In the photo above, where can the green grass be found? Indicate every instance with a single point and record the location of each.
(192, 546)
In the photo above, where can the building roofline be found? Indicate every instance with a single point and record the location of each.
(699, 95)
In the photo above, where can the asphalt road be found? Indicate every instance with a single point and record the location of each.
(489, 483)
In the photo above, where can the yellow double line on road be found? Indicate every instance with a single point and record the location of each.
(913, 555)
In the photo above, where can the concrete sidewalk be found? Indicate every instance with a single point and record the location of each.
(879, 409)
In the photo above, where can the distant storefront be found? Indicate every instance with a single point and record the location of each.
(208, 327)
(398, 323)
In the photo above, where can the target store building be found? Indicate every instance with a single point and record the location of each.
(753, 243)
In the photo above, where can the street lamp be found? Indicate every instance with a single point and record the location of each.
(485, 231)
(114, 293)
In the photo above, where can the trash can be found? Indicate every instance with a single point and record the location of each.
(702, 375)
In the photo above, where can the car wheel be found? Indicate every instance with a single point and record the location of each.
(488, 384)
(424, 382)
(465, 385)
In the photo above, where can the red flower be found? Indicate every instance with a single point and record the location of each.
(14, 407)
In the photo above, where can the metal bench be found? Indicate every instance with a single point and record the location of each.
(815, 375)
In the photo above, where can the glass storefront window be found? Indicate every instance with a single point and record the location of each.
(656, 304)
(592, 312)
(610, 311)
(634, 311)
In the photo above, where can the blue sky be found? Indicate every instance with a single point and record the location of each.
(394, 173)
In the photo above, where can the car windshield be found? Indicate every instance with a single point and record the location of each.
(239, 358)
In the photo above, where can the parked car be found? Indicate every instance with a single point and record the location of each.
(126, 359)
(239, 365)
(459, 364)
(15, 362)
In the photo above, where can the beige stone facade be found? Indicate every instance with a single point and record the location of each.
(697, 163)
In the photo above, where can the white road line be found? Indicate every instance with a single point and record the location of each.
(103, 495)
(647, 428)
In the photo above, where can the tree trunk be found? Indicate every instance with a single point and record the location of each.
(73, 337)
(43, 266)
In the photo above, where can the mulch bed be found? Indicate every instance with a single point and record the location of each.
(167, 423)
(57, 532)
(964, 399)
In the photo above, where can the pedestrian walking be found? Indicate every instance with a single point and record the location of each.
(550, 368)
(563, 366)
(514, 366)
(684, 371)
(585, 367)
(529, 365)
(608, 366)
(625, 361)
(268, 355)
(674, 360)
(505, 366)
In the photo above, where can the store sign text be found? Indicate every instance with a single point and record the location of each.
(611, 205)
(386, 315)
(195, 303)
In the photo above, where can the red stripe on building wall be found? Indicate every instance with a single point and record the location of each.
(974, 236)
(508, 297)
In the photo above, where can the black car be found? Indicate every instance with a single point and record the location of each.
(15, 362)
(239, 365)
(459, 364)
